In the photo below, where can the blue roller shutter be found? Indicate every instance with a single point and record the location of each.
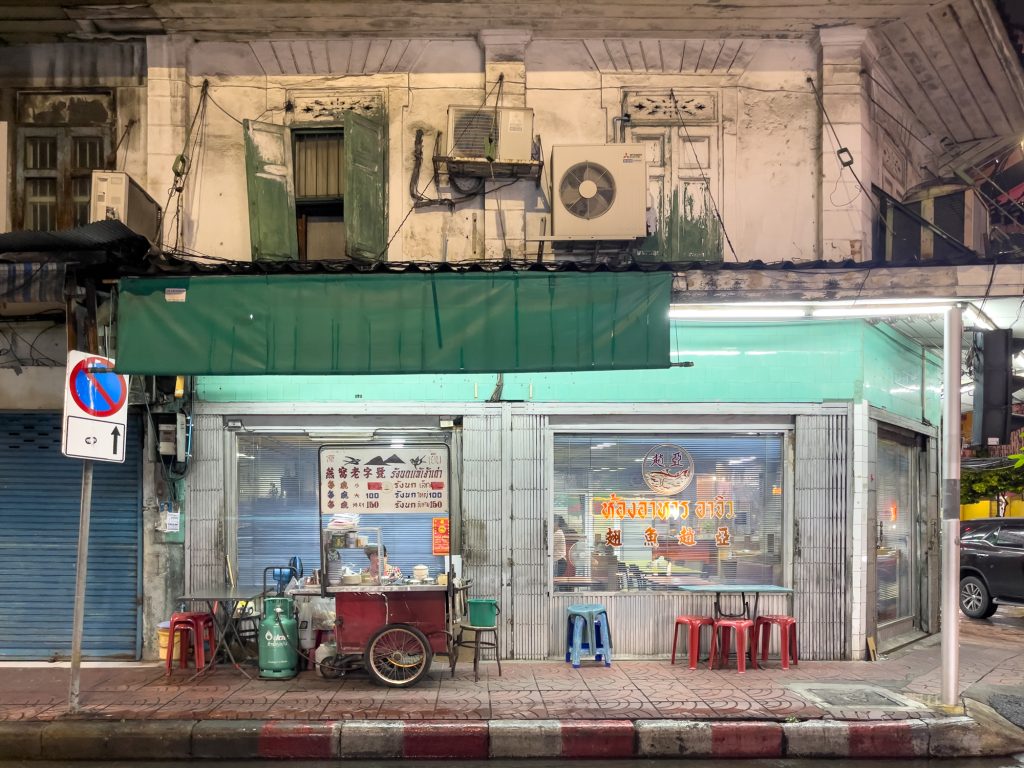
(39, 507)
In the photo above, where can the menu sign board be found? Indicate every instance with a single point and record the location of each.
(383, 478)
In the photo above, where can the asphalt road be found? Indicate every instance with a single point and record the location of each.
(1005, 762)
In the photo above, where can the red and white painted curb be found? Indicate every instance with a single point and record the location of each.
(480, 740)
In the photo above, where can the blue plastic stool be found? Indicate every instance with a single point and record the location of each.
(588, 628)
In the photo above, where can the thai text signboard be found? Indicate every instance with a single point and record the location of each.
(384, 478)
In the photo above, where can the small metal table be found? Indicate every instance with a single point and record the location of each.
(222, 603)
(735, 589)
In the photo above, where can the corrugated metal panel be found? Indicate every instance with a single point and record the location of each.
(820, 589)
(643, 622)
(482, 510)
(40, 493)
(206, 564)
(530, 615)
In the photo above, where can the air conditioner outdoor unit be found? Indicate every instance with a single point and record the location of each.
(472, 129)
(115, 195)
(600, 192)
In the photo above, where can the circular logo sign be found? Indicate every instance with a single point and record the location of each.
(668, 469)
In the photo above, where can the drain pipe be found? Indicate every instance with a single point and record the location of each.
(950, 617)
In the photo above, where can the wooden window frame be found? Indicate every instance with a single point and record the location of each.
(65, 173)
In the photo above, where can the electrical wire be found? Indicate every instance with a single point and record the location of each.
(707, 182)
(124, 135)
(228, 114)
(39, 357)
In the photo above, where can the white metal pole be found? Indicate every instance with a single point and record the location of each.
(81, 569)
(952, 344)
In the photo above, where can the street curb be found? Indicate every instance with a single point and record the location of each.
(20, 740)
(985, 734)
(285, 739)
(239, 739)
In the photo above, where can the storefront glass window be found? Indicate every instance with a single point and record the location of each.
(654, 511)
(279, 515)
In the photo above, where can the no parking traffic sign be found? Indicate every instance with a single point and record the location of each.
(95, 412)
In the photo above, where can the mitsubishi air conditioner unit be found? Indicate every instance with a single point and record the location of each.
(502, 134)
(115, 195)
(600, 192)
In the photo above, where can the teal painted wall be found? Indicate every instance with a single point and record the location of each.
(785, 362)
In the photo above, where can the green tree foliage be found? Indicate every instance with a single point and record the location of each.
(979, 485)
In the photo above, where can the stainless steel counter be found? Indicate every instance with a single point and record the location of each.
(375, 589)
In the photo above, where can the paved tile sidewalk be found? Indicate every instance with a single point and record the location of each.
(992, 662)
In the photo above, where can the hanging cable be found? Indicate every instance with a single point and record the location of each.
(703, 175)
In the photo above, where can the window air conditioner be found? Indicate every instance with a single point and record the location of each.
(471, 128)
(116, 196)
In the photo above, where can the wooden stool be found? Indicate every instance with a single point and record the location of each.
(694, 623)
(787, 637)
(744, 641)
(476, 644)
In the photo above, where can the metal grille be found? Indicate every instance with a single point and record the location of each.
(39, 515)
(482, 510)
(40, 153)
(319, 166)
(41, 204)
(820, 601)
(530, 616)
(207, 564)
(86, 153)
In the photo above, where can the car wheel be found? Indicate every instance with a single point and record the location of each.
(975, 600)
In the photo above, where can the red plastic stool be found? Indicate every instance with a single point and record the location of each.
(195, 628)
(205, 631)
(744, 640)
(787, 637)
(694, 623)
(181, 632)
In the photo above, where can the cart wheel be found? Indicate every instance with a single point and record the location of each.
(332, 667)
(397, 655)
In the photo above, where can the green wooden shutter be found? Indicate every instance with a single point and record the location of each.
(364, 187)
(268, 165)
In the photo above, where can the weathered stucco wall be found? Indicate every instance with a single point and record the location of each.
(765, 143)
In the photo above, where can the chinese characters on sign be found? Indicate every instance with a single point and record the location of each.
(380, 478)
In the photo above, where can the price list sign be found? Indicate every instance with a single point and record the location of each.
(384, 478)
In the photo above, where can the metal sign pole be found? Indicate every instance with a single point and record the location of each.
(952, 344)
(80, 581)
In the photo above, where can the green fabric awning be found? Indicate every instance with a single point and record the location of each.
(393, 323)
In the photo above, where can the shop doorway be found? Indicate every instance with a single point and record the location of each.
(897, 536)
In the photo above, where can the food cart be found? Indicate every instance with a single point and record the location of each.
(391, 625)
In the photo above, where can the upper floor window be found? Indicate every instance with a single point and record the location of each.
(317, 193)
(61, 139)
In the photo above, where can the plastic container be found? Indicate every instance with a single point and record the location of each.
(163, 632)
(483, 612)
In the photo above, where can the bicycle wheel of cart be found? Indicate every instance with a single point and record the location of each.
(397, 655)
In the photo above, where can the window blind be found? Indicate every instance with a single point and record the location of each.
(278, 510)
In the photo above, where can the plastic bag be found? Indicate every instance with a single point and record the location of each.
(322, 613)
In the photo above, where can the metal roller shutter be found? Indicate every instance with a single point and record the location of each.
(39, 507)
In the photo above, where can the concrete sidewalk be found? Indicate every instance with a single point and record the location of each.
(886, 708)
